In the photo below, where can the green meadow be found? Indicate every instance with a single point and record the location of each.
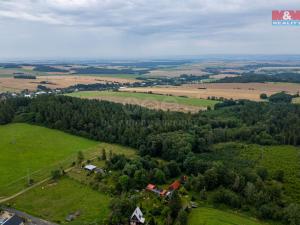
(144, 96)
(55, 201)
(31, 152)
(210, 216)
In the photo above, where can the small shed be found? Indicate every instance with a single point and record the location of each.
(90, 167)
(137, 217)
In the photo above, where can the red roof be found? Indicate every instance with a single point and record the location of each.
(175, 185)
(150, 187)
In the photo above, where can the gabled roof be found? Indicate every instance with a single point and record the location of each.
(150, 186)
(15, 220)
(175, 185)
(90, 167)
(137, 214)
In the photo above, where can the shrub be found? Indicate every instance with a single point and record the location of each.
(227, 197)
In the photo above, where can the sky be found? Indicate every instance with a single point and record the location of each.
(124, 29)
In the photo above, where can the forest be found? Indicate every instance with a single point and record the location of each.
(182, 140)
(96, 70)
(250, 77)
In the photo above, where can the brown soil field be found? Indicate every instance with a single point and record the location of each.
(55, 82)
(249, 91)
(152, 104)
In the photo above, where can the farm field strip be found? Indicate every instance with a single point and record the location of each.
(249, 91)
(173, 103)
(60, 81)
(296, 100)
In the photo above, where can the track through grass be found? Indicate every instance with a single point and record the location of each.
(55, 201)
(32, 152)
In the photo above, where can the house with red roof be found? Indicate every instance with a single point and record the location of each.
(175, 185)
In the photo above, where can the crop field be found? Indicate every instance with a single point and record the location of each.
(55, 201)
(57, 81)
(210, 216)
(28, 151)
(173, 103)
(249, 91)
(9, 72)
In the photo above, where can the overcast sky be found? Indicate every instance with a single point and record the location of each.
(105, 29)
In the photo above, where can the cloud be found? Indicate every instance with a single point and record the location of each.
(186, 26)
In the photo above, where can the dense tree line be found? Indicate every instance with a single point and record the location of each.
(247, 188)
(24, 76)
(97, 70)
(46, 68)
(177, 138)
(262, 78)
(166, 134)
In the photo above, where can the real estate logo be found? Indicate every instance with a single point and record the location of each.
(286, 17)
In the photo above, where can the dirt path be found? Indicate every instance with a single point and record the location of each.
(29, 188)
(24, 190)
(35, 185)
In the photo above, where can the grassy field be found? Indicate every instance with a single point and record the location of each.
(35, 151)
(210, 216)
(296, 100)
(144, 96)
(54, 202)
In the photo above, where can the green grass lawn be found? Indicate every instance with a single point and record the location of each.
(145, 96)
(34, 150)
(54, 202)
(210, 216)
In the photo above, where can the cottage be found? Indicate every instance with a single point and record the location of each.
(154, 189)
(150, 187)
(137, 217)
(90, 167)
(175, 185)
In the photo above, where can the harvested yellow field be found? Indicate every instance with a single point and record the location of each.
(249, 91)
(53, 82)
